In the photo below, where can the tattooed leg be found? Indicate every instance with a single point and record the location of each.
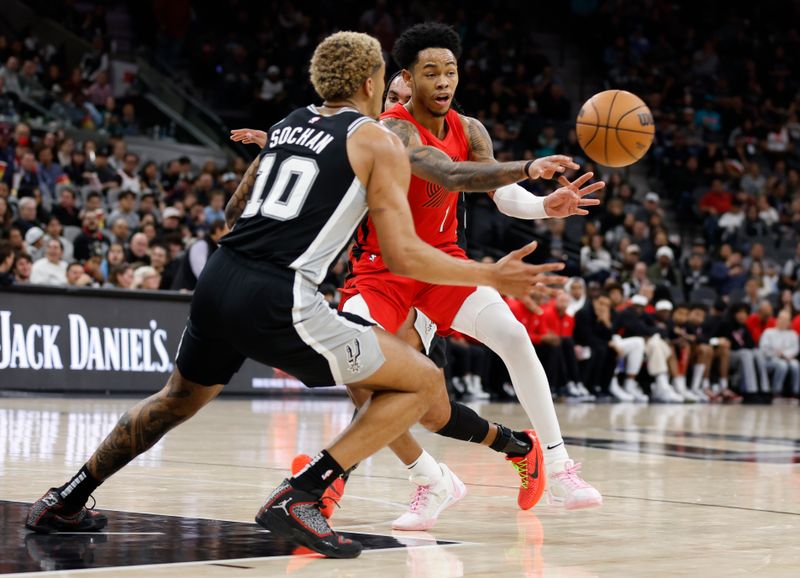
(147, 422)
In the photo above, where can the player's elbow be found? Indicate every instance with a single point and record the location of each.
(400, 260)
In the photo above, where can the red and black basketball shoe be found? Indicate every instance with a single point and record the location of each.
(295, 516)
(530, 469)
(47, 516)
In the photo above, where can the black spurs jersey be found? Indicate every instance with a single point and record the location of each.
(306, 200)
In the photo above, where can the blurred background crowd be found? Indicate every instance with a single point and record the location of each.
(684, 282)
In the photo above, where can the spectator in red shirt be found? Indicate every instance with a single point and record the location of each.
(558, 323)
(761, 320)
(717, 200)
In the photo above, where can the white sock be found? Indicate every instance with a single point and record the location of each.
(723, 382)
(631, 383)
(554, 458)
(697, 377)
(680, 382)
(706, 383)
(487, 318)
(425, 470)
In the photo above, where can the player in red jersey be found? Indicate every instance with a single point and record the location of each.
(375, 293)
(450, 152)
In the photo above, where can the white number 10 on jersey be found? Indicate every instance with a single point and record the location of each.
(282, 204)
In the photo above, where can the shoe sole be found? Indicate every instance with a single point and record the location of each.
(99, 525)
(585, 505)
(275, 525)
(459, 491)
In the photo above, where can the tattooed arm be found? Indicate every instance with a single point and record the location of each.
(482, 172)
(235, 207)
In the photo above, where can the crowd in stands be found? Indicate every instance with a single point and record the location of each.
(685, 284)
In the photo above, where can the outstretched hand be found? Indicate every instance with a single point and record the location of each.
(518, 279)
(570, 198)
(547, 167)
(249, 136)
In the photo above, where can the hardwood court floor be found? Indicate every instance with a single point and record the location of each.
(689, 491)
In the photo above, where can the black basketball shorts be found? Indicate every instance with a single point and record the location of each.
(275, 316)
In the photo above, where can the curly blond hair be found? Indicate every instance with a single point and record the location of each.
(342, 62)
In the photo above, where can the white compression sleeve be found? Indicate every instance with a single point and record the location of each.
(487, 318)
(514, 201)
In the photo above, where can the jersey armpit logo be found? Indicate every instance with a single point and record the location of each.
(353, 351)
(437, 195)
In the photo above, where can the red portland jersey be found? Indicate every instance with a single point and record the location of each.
(434, 209)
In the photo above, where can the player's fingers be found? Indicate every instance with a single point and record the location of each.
(564, 181)
(593, 188)
(550, 280)
(561, 159)
(545, 268)
(588, 202)
(581, 180)
(524, 251)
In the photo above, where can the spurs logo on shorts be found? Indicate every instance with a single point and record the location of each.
(354, 356)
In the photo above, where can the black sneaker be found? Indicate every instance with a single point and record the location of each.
(295, 515)
(46, 517)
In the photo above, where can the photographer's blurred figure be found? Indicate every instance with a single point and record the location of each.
(196, 256)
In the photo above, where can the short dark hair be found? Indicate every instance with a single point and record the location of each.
(422, 36)
(217, 225)
(701, 306)
(736, 307)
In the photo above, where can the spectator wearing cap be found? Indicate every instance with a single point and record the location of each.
(49, 173)
(91, 241)
(55, 230)
(664, 272)
(651, 206)
(50, 269)
(27, 215)
(172, 220)
(126, 209)
(35, 243)
(780, 346)
(230, 181)
(196, 256)
(128, 175)
(215, 211)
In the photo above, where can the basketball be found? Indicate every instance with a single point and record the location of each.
(615, 128)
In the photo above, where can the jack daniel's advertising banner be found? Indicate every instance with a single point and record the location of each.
(54, 339)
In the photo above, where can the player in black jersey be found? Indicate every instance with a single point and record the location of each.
(257, 297)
